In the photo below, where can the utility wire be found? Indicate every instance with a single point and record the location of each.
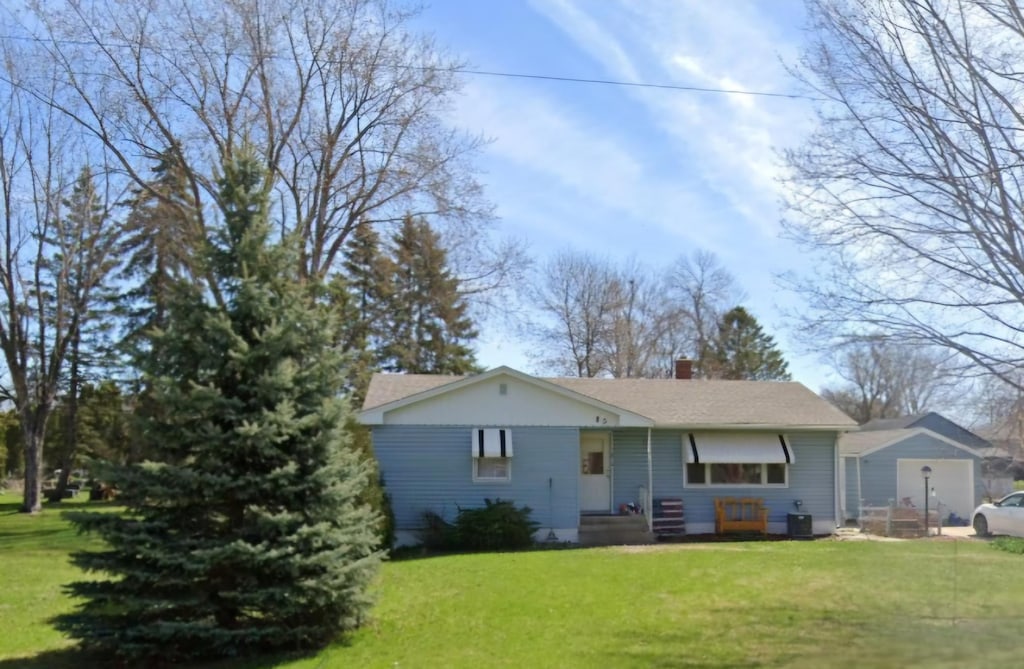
(462, 70)
(639, 84)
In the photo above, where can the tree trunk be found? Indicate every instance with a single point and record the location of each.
(71, 419)
(33, 498)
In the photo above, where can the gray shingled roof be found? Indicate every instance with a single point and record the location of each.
(855, 443)
(665, 401)
(386, 388)
(902, 422)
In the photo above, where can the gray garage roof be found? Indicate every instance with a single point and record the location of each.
(855, 443)
(668, 402)
(885, 424)
(863, 443)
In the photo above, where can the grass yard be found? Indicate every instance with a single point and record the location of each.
(927, 603)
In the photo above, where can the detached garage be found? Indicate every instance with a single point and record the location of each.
(880, 466)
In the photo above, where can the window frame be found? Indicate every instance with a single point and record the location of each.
(707, 483)
(488, 479)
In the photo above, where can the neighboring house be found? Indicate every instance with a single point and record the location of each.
(932, 421)
(569, 447)
(882, 463)
(1005, 459)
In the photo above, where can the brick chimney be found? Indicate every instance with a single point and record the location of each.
(684, 368)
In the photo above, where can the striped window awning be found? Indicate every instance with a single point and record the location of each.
(492, 442)
(736, 447)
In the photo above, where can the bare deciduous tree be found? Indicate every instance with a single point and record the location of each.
(889, 380)
(913, 183)
(639, 323)
(576, 293)
(628, 321)
(51, 263)
(345, 104)
(703, 291)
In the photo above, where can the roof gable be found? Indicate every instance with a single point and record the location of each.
(862, 444)
(930, 420)
(650, 402)
(500, 396)
(899, 423)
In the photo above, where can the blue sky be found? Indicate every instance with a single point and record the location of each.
(630, 171)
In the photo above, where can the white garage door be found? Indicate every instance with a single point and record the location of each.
(951, 481)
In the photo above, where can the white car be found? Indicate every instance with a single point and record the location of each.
(1003, 517)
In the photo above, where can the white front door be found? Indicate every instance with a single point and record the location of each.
(595, 474)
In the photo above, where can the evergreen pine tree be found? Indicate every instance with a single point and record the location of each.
(429, 329)
(248, 535)
(102, 429)
(742, 350)
(362, 297)
(160, 246)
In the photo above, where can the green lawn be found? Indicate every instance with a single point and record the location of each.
(928, 603)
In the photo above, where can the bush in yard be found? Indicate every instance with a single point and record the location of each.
(437, 533)
(387, 513)
(1009, 544)
(248, 532)
(496, 525)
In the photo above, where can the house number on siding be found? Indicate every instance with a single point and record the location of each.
(601, 420)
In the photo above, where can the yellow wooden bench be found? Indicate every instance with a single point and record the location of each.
(740, 514)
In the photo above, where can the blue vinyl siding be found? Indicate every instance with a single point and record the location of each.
(629, 459)
(878, 470)
(430, 468)
(811, 477)
(852, 494)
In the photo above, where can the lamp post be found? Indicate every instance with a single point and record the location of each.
(926, 472)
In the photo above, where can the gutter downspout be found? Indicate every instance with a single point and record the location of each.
(860, 494)
(649, 512)
(836, 511)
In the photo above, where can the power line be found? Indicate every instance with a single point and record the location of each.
(639, 84)
(484, 73)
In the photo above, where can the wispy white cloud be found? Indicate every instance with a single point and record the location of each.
(646, 172)
(589, 162)
(597, 40)
(733, 137)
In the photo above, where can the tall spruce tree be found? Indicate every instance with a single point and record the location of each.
(100, 424)
(363, 297)
(429, 329)
(161, 243)
(248, 535)
(742, 350)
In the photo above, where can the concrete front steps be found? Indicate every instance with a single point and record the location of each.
(614, 530)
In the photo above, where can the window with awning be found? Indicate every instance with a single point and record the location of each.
(491, 443)
(737, 447)
(737, 459)
(491, 451)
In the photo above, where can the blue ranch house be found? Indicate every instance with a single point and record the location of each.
(582, 453)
